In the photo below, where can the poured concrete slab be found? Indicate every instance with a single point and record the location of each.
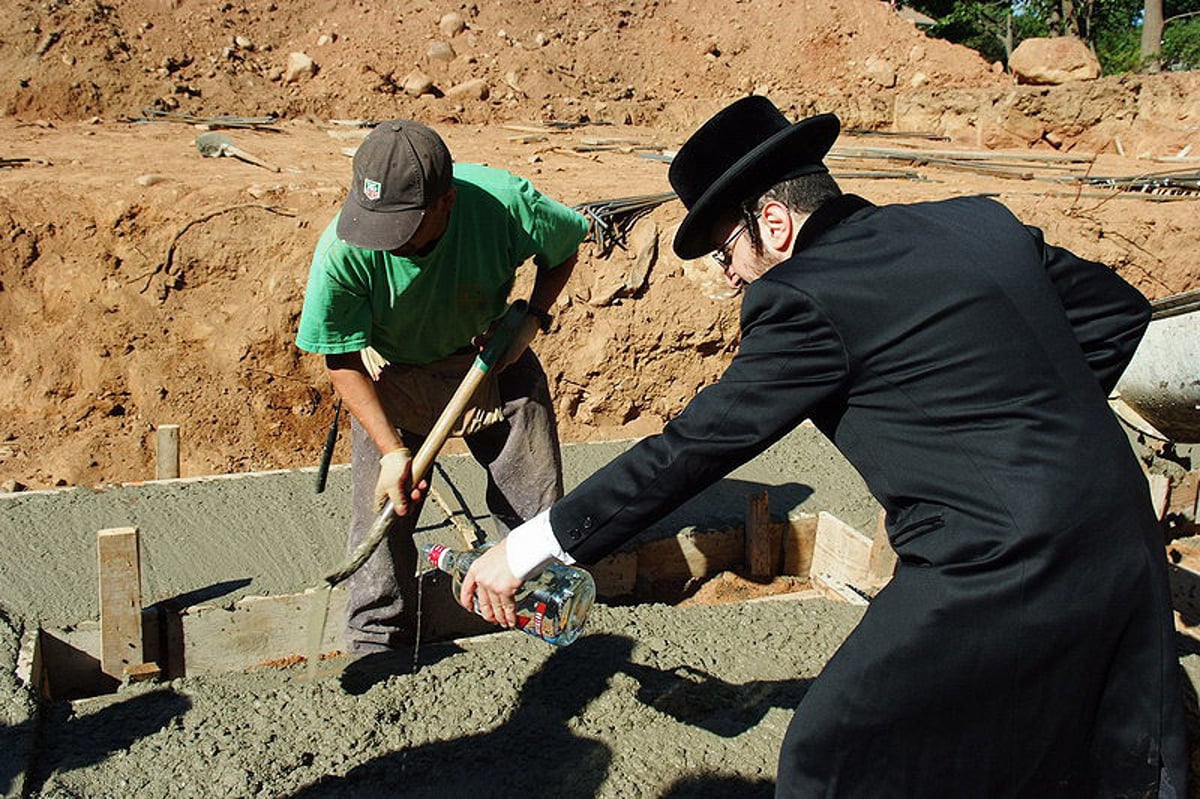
(214, 540)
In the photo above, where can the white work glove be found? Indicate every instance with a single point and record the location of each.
(395, 480)
(373, 361)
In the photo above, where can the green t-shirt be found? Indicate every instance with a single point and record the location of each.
(419, 309)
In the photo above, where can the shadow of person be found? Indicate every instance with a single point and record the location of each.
(715, 786)
(533, 753)
(361, 674)
(695, 697)
(68, 742)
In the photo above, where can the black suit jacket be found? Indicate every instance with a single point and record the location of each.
(962, 365)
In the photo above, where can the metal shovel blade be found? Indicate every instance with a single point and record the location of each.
(215, 145)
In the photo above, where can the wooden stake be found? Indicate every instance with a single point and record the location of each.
(167, 466)
(120, 599)
(799, 540)
(762, 545)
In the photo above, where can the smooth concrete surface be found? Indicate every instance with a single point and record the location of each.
(213, 540)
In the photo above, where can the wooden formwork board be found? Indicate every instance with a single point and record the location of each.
(691, 554)
(257, 631)
(841, 554)
(118, 551)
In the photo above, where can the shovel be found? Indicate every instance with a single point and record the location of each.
(215, 145)
(492, 353)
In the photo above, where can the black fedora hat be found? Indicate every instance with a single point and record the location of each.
(746, 148)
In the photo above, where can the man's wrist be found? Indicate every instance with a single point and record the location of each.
(545, 318)
(533, 545)
(399, 448)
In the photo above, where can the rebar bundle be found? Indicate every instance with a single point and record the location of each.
(1175, 184)
(157, 115)
(1175, 305)
(613, 219)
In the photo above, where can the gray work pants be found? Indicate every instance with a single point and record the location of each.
(524, 477)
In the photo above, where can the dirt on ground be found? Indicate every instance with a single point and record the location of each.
(142, 284)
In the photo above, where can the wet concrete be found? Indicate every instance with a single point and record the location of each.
(215, 540)
(16, 713)
(653, 702)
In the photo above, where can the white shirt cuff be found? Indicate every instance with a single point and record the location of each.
(532, 545)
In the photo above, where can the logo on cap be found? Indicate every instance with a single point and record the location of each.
(372, 189)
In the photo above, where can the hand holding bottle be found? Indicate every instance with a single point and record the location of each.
(491, 586)
(551, 605)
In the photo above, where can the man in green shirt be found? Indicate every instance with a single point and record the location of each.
(418, 263)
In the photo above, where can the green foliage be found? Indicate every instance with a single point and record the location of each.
(1181, 44)
(982, 25)
(1119, 50)
(1112, 27)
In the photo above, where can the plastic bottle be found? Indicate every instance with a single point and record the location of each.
(552, 605)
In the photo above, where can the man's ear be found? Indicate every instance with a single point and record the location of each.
(778, 227)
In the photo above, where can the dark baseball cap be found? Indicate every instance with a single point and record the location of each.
(399, 169)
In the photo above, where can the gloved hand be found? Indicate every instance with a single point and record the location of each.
(373, 361)
(395, 480)
(521, 340)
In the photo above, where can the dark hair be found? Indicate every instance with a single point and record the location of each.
(803, 194)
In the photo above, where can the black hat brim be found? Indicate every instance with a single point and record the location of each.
(795, 151)
(377, 230)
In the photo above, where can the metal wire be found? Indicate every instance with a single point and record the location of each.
(611, 220)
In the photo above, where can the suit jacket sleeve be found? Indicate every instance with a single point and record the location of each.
(791, 359)
(1107, 314)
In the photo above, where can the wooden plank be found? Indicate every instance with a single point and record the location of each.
(763, 539)
(120, 599)
(143, 672)
(167, 461)
(260, 630)
(1160, 493)
(691, 554)
(1185, 496)
(799, 540)
(615, 575)
(841, 554)
(882, 561)
(838, 591)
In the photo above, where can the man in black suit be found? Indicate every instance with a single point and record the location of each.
(1025, 645)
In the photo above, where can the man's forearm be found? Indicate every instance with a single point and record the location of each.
(357, 390)
(549, 283)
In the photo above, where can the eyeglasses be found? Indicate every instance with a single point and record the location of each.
(722, 255)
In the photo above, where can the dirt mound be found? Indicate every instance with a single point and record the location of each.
(141, 284)
(554, 59)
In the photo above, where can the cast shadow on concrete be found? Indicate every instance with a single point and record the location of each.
(723, 504)
(15, 748)
(199, 596)
(68, 742)
(361, 674)
(719, 786)
(694, 697)
(533, 753)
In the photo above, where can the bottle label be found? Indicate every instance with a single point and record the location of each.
(533, 624)
(436, 553)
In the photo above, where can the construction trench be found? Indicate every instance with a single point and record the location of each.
(215, 697)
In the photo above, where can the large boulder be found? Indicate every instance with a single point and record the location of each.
(1061, 59)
